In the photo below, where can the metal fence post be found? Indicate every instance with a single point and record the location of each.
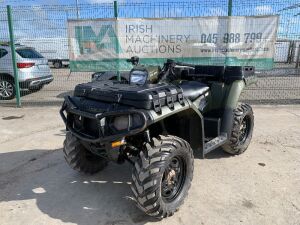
(228, 27)
(116, 9)
(298, 57)
(229, 7)
(13, 53)
(117, 44)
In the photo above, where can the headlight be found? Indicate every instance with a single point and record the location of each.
(138, 77)
(121, 122)
(124, 122)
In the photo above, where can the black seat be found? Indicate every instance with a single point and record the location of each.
(193, 89)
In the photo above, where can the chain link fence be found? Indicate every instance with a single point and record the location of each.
(45, 29)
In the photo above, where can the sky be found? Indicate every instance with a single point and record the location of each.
(34, 19)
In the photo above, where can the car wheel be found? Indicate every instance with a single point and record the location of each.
(7, 89)
(162, 176)
(57, 65)
(242, 130)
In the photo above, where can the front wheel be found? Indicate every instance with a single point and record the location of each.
(81, 159)
(162, 176)
(242, 130)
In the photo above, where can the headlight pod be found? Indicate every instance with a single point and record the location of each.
(127, 122)
(138, 77)
(121, 122)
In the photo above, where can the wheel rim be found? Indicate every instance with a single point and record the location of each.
(6, 89)
(57, 65)
(173, 179)
(244, 129)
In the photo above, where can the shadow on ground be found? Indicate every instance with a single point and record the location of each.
(63, 194)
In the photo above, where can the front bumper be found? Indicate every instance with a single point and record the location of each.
(103, 134)
(35, 83)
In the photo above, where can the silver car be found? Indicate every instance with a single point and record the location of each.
(33, 70)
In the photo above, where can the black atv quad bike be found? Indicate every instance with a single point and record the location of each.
(154, 120)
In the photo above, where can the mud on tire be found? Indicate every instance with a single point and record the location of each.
(81, 159)
(242, 130)
(155, 171)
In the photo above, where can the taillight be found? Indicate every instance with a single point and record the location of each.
(25, 65)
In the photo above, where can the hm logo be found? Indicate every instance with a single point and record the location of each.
(90, 42)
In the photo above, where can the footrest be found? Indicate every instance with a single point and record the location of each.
(214, 143)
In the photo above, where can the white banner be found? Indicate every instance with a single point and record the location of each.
(105, 44)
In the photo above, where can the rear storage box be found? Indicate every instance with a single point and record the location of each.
(151, 96)
(223, 73)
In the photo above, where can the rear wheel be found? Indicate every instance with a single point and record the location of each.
(243, 123)
(81, 159)
(162, 176)
(7, 88)
(57, 65)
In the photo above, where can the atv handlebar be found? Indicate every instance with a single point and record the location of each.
(168, 71)
(134, 60)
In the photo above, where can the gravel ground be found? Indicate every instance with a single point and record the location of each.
(262, 186)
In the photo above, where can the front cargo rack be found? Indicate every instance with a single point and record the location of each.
(103, 136)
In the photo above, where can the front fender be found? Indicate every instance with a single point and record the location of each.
(185, 122)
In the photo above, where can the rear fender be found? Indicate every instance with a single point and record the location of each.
(230, 103)
(233, 94)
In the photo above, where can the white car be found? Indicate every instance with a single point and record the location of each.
(33, 70)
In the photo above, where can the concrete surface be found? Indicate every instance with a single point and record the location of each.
(262, 186)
